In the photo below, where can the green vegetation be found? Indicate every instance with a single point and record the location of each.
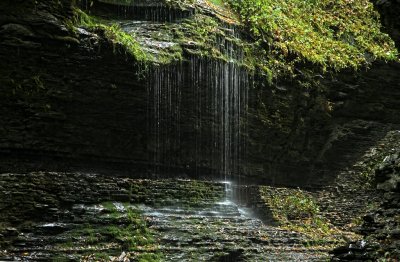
(189, 194)
(328, 34)
(219, 3)
(113, 33)
(125, 40)
(325, 34)
(297, 210)
(203, 36)
(199, 35)
(199, 192)
(295, 206)
(131, 234)
(366, 168)
(149, 257)
(125, 230)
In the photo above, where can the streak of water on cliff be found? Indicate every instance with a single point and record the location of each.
(206, 99)
(140, 10)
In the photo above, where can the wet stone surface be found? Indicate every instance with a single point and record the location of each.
(198, 222)
(380, 225)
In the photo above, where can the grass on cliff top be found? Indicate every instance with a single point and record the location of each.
(331, 34)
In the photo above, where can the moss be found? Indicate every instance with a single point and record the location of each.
(101, 256)
(295, 206)
(67, 39)
(149, 257)
(127, 229)
(219, 3)
(135, 233)
(285, 34)
(331, 35)
(180, 4)
(60, 258)
(297, 210)
(113, 33)
(200, 35)
(109, 206)
(204, 36)
(119, 38)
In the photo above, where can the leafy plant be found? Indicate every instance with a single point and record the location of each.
(295, 206)
(298, 211)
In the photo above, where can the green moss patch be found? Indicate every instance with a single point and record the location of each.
(112, 232)
(114, 33)
(297, 210)
(329, 34)
(201, 34)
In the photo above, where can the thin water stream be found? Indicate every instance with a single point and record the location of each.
(197, 113)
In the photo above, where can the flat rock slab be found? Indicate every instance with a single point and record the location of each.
(81, 220)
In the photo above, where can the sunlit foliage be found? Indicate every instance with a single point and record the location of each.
(331, 34)
(112, 32)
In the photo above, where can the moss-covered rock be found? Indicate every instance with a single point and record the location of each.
(299, 211)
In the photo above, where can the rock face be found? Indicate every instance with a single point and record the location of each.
(76, 102)
(66, 113)
(159, 120)
(381, 226)
(389, 11)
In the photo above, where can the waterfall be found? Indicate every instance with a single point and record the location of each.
(197, 114)
(156, 11)
(163, 111)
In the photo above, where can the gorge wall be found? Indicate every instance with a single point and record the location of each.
(79, 102)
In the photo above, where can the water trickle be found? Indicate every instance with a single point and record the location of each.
(163, 111)
(206, 99)
(228, 191)
(140, 10)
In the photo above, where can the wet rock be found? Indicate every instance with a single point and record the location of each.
(381, 226)
(8, 30)
(94, 132)
(10, 231)
(52, 228)
(369, 218)
(208, 227)
(230, 256)
(355, 251)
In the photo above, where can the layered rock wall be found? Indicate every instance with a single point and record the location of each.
(77, 102)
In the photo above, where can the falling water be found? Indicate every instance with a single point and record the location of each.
(163, 110)
(197, 111)
(140, 10)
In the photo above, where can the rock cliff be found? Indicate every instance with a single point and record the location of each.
(74, 100)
